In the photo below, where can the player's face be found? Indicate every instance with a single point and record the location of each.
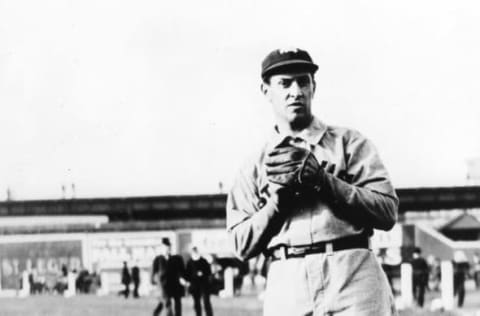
(291, 96)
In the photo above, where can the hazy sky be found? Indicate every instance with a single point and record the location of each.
(129, 98)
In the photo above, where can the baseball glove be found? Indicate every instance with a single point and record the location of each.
(293, 166)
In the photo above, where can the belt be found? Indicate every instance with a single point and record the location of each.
(350, 242)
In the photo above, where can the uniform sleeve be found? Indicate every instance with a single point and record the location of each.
(251, 220)
(368, 198)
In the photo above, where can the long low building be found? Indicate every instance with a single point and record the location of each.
(138, 213)
(195, 211)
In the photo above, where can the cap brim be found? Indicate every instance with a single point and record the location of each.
(290, 65)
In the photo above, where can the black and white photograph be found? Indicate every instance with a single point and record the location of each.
(239, 158)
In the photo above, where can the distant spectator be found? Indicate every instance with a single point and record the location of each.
(198, 274)
(95, 282)
(168, 271)
(239, 272)
(461, 269)
(476, 270)
(434, 275)
(135, 280)
(126, 279)
(83, 281)
(216, 279)
(60, 282)
(31, 282)
(387, 268)
(420, 276)
(37, 282)
(64, 270)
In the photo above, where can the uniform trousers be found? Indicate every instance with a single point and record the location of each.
(342, 283)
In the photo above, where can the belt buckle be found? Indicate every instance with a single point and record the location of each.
(297, 251)
(329, 248)
(283, 253)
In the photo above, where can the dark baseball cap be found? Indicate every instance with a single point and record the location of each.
(286, 60)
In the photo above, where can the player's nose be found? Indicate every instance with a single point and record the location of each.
(295, 90)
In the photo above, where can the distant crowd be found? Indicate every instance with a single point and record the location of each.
(171, 277)
(427, 274)
(85, 282)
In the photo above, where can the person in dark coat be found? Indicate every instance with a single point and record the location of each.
(461, 270)
(198, 275)
(420, 276)
(168, 272)
(126, 279)
(135, 280)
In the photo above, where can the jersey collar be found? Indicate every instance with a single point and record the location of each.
(311, 134)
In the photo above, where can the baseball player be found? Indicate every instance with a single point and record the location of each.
(309, 200)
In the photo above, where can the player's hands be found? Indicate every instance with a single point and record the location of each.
(285, 197)
(292, 166)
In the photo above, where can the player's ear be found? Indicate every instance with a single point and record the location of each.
(264, 88)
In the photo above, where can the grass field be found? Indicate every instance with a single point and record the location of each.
(89, 305)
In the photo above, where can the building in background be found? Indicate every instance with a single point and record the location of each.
(98, 235)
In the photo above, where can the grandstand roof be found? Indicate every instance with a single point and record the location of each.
(464, 221)
(207, 210)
